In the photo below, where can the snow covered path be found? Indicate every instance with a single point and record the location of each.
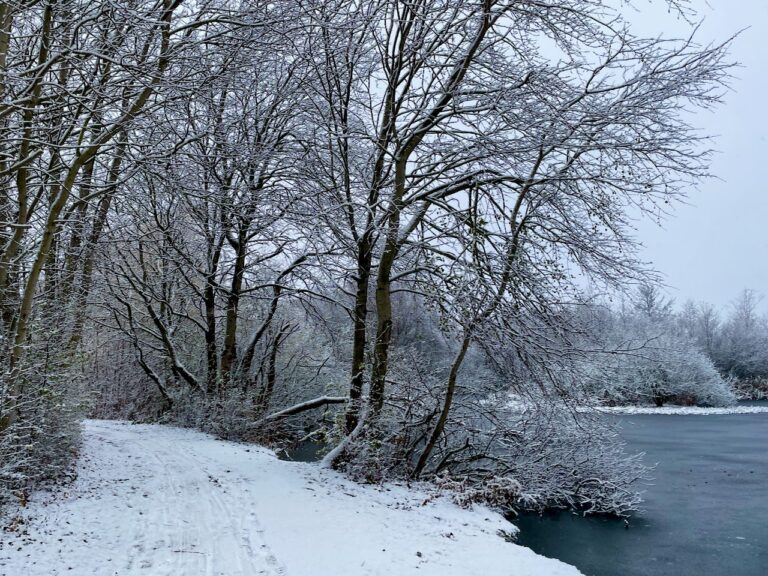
(162, 501)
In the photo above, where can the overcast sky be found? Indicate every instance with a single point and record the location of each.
(718, 245)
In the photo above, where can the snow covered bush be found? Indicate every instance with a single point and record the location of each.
(648, 363)
(43, 437)
(751, 388)
(500, 492)
(569, 461)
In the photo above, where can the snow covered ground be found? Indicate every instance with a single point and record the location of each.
(162, 501)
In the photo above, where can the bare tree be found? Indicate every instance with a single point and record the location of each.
(500, 169)
(248, 197)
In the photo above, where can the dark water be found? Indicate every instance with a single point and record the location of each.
(705, 513)
(304, 451)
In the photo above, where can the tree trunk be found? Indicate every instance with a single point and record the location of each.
(360, 334)
(384, 291)
(229, 352)
(89, 256)
(383, 334)
(266, 394)
(211, 352)
(447, 402)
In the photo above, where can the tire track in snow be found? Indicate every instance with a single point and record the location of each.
(150, 505)
(210, 528)
(243, 521)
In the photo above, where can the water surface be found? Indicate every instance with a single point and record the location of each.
(705, 513)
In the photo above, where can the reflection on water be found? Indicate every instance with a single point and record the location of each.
(705, 514)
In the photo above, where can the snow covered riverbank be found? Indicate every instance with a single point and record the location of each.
(684, 410)
(162, 501)
(521, 406)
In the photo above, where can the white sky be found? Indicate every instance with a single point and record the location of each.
(718, 245)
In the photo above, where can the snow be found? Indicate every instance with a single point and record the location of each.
(684, 410)
(517, 405)
(162, 501)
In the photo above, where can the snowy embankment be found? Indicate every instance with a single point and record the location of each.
(683, 410)
(517, 405)
(162, 501)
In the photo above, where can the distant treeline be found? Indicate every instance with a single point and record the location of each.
(696, 354)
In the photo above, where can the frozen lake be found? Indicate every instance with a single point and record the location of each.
(705, 514)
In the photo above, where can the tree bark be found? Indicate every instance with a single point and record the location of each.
(360, 335)
(229, 352)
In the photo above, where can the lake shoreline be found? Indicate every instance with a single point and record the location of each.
(681, 410)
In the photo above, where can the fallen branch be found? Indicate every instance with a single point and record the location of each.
(303, 407)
